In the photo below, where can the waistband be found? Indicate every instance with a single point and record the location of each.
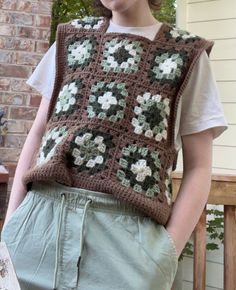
(77, 197)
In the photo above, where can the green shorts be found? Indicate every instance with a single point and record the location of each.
(70, 238)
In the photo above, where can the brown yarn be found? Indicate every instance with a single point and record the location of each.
(134, 166)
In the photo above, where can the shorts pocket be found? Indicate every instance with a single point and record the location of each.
(16, 218)
(172, 243)
(154, 240)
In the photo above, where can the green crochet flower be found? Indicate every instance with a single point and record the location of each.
(179, 34)
(121, 55)
(107, 101)
(151, 116)
(67, 98)
(49, 143)
(88, 22)
(80, 52)
(167, 66)
(139, 169)
(89, 150)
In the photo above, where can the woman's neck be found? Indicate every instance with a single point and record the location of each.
(138, 15)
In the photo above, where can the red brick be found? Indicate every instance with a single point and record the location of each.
(25, 6)
(10, 154)
(41, 47)
(24, 113)
(8, 4)
(4, 17)
(44, 34)
(7, 29)
(20, 85)
(4, 84)
(9, 187)
(11, 168)
(21, 19)
(25, 31)
(16, 126)
(28, 125)
(6, 111)
(41, 7)
(43, 21)
(7, 56)
(28, 58)
(35, 100)
(16, 71)
(19, 126)
(24, 39)
(12, 43)
(12, 98)
(14, 141)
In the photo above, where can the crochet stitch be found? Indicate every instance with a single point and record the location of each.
(112, 113)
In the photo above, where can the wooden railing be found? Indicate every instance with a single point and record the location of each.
(223, 191)
(4, 177)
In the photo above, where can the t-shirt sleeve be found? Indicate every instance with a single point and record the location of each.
(43, 77)
(201, 106)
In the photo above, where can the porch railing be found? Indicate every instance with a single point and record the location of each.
(4, 177)
(223, 192)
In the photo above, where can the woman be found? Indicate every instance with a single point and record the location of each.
(128, 93)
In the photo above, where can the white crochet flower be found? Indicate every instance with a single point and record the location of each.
(141, 125)
(80, 140)
(79, 52)
(141, 170)
(49, 143)
(168, 66)
(174, 33)
(66, 97)
(97, 160)
(88, 150)
(107, 100)
(181, 33)
(122, 55)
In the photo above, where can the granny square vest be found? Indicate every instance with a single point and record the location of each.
(111, 119)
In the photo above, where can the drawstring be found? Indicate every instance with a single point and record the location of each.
(82, 239)
(57, 241)
(58, 238)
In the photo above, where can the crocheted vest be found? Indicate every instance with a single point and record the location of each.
(111, 118)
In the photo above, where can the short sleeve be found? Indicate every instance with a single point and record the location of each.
(200, 107)
(43, 77)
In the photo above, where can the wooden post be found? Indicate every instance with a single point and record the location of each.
(4, 177)
(229, 248)
(223, 191)
(199, 266)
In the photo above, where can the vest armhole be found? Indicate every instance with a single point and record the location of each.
(206, 45)
(58, 62)
(209, 46)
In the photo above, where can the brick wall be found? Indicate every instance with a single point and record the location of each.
(24, 38)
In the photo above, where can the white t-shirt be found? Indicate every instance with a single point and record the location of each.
(199, 107)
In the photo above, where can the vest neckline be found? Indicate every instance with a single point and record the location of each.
(132, 35)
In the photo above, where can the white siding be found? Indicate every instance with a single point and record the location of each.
(215, 20)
